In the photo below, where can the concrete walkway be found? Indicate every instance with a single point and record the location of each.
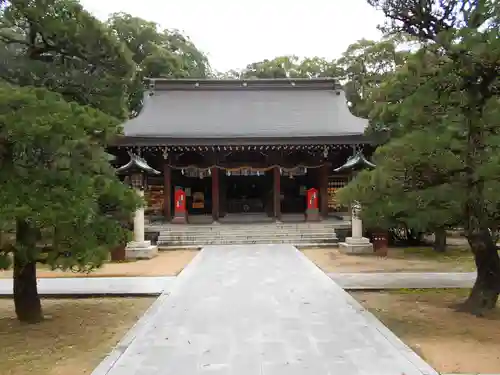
(399, 280)
(258, 310)
(64, 286)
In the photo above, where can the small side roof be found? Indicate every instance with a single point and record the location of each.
(356, 161)
(187, 110)
(136, 164)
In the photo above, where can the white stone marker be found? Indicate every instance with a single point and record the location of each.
(356, 244)
(139, 248)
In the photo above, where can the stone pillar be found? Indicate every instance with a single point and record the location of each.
(139, 221)
(167, 192)
(323, 190)
(215, 193)
(356, 244)
(277, 193)
(139, 248)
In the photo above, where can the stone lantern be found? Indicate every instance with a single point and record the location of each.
(356, 244)
(136, 171)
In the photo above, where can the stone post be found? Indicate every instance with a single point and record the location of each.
(356, 244)
(139, 221)
(139, 248)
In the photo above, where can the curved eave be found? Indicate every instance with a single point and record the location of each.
(357, 161)
(137, 163)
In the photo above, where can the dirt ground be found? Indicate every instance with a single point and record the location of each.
(167, 263)
(457, 259)
(450, 341)
(77, 336)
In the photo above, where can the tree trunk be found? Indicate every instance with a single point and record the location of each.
(26, 299)
(484, 293)
(440, 240)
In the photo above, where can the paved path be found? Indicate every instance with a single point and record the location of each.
(95, 285)
(258, 310)
(398, 280)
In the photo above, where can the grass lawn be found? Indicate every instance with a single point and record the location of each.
(450, 341)
(77, 336)
(167, 263)
(414, 259)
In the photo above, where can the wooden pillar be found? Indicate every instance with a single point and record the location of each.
(222, 193)
(323, 189)
(215, 193)
(167, 191)
(277, 192)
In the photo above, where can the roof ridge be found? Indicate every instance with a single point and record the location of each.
(324, 83)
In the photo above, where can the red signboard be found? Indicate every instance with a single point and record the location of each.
(180, 202)
(312, 199)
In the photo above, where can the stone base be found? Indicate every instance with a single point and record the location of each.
(312, 215)
(179, 219)
(140, 250)
(356, 246)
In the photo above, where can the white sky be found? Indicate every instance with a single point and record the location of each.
(234, 33)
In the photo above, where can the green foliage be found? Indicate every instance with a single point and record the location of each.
(441, 110)
(156, 53)
(361, 68)
(364, 66)
(289, 67)
(55, 177)
(58, 45)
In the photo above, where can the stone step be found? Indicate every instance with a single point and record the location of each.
(244, 237)
(300, 234)
(305, 245)
(197, 243)
(247, 233)
(250, 236)
(253, 227)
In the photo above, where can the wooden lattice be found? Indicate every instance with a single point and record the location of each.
(335, 183)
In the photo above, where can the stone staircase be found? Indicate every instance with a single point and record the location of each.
(175, 236)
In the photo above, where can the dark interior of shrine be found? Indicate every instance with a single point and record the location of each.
(245, 181)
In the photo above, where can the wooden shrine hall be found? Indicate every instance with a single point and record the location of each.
(265, 148)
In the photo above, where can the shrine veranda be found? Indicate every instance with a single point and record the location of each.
(265, 148)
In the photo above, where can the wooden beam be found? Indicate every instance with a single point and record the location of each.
(215, 193)
(277, 192)
(323, 189)
(167, 191)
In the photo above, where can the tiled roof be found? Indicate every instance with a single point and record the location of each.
(241, 111)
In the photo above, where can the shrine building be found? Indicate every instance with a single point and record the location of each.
(244, 147)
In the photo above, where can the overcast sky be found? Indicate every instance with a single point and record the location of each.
(234, 33)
